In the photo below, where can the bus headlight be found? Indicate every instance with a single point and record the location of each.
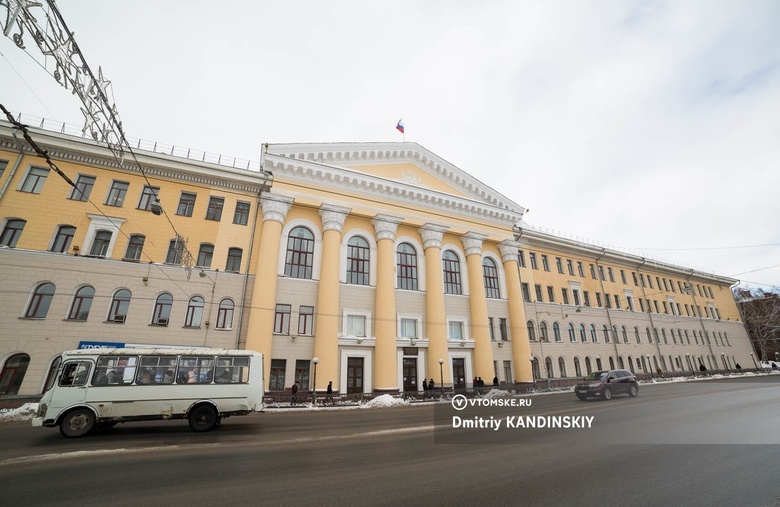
(41, 410)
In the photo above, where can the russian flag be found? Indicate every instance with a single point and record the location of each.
(400, 126)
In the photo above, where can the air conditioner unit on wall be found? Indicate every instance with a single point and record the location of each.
(162, 322)
(119, 319)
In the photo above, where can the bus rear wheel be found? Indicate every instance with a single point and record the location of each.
(203, 418)
(77, 423)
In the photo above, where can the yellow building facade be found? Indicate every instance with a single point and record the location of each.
(373, 266)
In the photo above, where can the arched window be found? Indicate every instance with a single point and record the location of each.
(535, 366)
(556, 332)
(663, 334)
(583, 334)
(655, 333)
(631, 364)
(612, 363)
(225, 314)
(12, 232)
(594, 337)
(572, 336)
(120, 303)
(577, 367)
(625, 334)
(134, 247)
(614, 334)
(549, 367)
(588, 367)
(175, 248)
(605, 332)
(234, 260)
(162, 309)
(40, 302)
(358, 261)
(194, 312)
(300, 253)
(13, 373)
(82, 302)
(451, 273)
(100, 244)
(63, 239)
(543, 332)
(598, 363)
(636, 334)
(205, 254)
(649, 336)
(407, 267)
(490, 275)
(531, 331)
(620, 362)
(562, 366)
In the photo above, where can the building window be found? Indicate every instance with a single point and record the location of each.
(282, 319)
(543, 335)
(572, 336)
(601, 273)
(526, 292)
(583, 334)
(214, 211)
(551, 294)
(557, 332)
(625, 334)
(3, 165)
(162, 309)
(194, 312)
(593, 272)
(234, 260)
(12, 232)
(14, 370)
(580, 269)
(306, 320)
(276, 382)
(538, 290)
(576, 294)
(148, 196)
(545, 263)
(531, 330)
(205, 254)
(40, 302)
(120, 304)
(570, 267)
(605, 331)
(33, 182)
(565, 294)
(598, 299)
(611, 275)
(302, 373)
(225, 314)
(117, 193)
(586, 297)
(521, 258)
(82, 303)
(408, 328)
(358, 261)
(186, 204)
(532, 257)
(562, 367)
(63, 239)
(356, 326)
(100, 244)
(173, 256)
(490, 328)
(300, 253)
(84, 185)
(455, 329)
(559, 264)
(451, 273)
(490, 275)
(407, 267)
(241, 215)
(623, 277)
(134, 247)
(503, 330)
(594, 337)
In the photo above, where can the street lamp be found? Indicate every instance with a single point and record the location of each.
(441, 376)
(690, 365)
(314, 360)
(533, 373)
(725, 364)
(754, 360)
(649, 368)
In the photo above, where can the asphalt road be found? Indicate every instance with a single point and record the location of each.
(663, 447)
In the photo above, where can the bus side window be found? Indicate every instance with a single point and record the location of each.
(75, 374)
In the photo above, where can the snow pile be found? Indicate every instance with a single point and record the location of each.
(23, 413)
(384, 401)
(495, 393)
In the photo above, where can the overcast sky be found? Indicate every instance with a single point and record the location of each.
(650, 127)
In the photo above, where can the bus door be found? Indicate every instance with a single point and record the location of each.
(72, 384)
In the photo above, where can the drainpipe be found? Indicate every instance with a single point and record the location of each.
(650, 316)
(701, 319)
(607, 307)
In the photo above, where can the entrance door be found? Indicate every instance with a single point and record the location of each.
(354, 375)
(458, 373)
(410, 374)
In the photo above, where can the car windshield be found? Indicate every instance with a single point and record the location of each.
(597, 375)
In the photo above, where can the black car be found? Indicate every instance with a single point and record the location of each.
(605, 384)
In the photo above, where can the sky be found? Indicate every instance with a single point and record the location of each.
(648, 127)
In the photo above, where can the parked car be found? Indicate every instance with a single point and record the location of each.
(607, 383)
(770, 365)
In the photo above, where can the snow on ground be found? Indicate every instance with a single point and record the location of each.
(23, 413)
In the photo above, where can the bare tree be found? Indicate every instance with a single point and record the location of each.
(760, 312)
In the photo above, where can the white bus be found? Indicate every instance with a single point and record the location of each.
(98, 388)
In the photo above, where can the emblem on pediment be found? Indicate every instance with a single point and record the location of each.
(412, 178)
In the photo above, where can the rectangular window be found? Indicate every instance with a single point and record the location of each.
(538, 289)
(570, 267)
(671, 284)
(148, 196)
(490, 328)
(282, 319)
(642, 279)
(641, 305)
(617, 301)
(559, 264)
(521, 258)
(545, 263)
(214, 211)
(408, 328)
(551, 294)
(666, 285)
(306, 320)
(565, 295)
(593, 272)
(83, 188)
(134, 247)
(636, 282)
(234, 260)
(532, 257)
(117, 193)
(356, 325)
(623, 277)
(650, 281)
(63, 239)
(655, 304)
(302, 373)
(580, 269)
(598, 299)
(33, 182)
(455, 330)
(205, 254)
(601, 273)
(186, 204)
(503, 330)
(658, 281)
(241, 216)
(508, 372)
(586, 296)
(3, 165)
(526, 292)
(607, 301)
(630, 303)
(173, 256)
(576, 295)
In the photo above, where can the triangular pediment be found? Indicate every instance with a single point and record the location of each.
(405, 169)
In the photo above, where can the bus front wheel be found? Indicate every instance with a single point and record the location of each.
(203, 418)
(77, 423)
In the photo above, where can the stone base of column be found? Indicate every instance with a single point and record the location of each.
(526, 387)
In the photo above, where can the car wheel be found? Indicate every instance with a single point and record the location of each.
(633, 390)
(582, 397)
(203, 418)
(77, 423)
(607, 393)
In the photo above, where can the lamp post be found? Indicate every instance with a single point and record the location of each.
(690, 365)
(533, 374)
(754, 360)
(441, 376)
(725, 364)
(314, 360)
(649, 368)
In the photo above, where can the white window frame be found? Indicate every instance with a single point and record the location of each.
(356, 313)
(464, 329)
(372, 252)
(101, 223)
(417, 324)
